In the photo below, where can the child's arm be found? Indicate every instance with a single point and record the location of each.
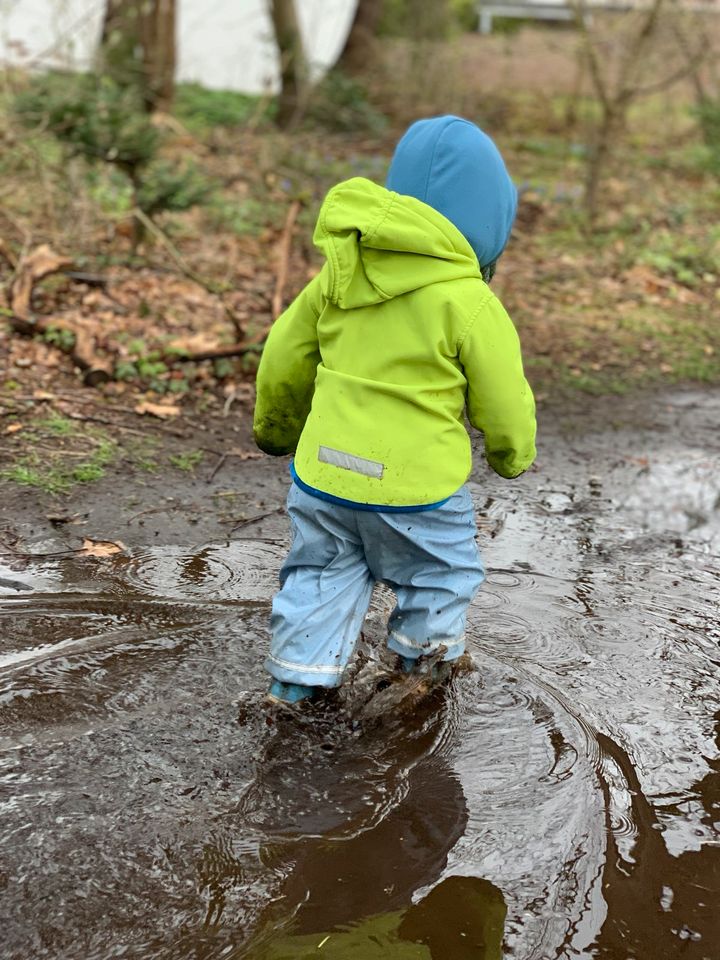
(499, 399)
(286, 375)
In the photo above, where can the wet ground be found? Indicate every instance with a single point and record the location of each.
(560, 800)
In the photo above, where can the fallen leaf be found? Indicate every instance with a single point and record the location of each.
(13, 427)
(101, 548)
(43, 395)
(161, 410)
(246, 454)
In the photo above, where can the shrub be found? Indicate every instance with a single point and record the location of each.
(201, 108)
(96, 118)
(93, 116)
(340, 103)
(708, 114)
(168, 186)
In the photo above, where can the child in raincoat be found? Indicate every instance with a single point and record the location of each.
(366, 378)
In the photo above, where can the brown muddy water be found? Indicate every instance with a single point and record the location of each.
(561, 800)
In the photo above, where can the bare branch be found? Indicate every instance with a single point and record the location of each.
(632, 63)
(596, 74)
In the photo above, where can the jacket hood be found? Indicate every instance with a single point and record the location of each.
(379, 245)
(450, 164)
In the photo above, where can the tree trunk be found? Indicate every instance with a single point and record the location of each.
(428, 21)
(606, 137)
(293, 72)
(137, 48)
(359, 46)
(696, 64)
(159, 54)
(614, 93)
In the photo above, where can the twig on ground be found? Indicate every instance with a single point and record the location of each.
(34, 556)
(216, 353)
(144, 513)
(228, 403)
(260, 516)
(221, 460)
(108, 423)
(49, 397)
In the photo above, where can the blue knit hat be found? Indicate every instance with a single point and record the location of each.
(450, 164)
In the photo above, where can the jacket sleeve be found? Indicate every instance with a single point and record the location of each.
(286, 375)
(499, 399)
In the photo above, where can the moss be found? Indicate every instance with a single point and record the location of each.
(188, 460)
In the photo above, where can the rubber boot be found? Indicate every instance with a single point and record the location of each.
(434, 668)
(280, 692)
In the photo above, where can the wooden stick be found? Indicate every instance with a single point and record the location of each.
(216, 468)
(284, 248)
(216, 353)
(33, 556)
(260, 516)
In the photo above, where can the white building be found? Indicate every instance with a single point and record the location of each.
(224, 44)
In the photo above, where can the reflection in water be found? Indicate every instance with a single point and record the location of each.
(364, 826)
(461, 918)
(402, 811)
(563, 799)
(647, 881)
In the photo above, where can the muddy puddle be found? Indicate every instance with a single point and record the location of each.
(560, 800)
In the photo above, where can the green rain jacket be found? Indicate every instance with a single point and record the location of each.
(367, 375)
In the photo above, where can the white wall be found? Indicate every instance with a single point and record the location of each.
(226, 44)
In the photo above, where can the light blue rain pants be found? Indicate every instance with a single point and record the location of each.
(429, 559)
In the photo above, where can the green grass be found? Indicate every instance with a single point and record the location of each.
(148, 464)
(142, 452)
(57, 425)
(187, 461)
(54, 472)
(688, 260)
(201, 109)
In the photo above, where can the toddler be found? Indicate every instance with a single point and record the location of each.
(366, 378)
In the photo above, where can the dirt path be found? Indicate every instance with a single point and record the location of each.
(235, 488)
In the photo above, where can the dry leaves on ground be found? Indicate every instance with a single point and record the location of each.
(101, 548)
(164, 411)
